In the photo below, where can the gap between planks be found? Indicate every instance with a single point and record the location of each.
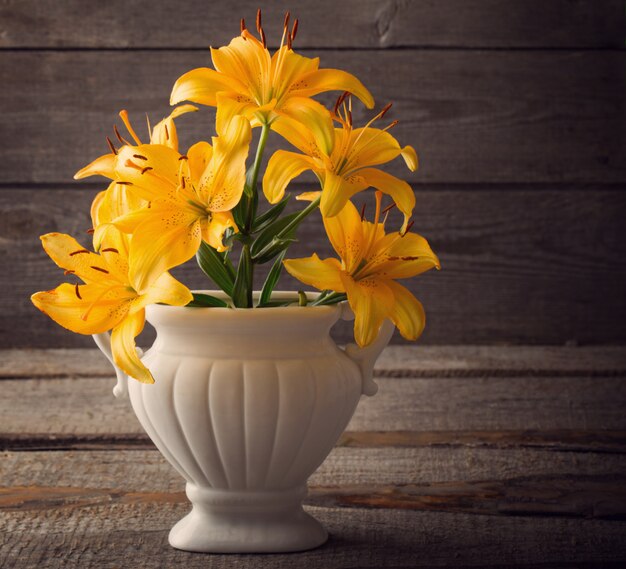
(561, 440)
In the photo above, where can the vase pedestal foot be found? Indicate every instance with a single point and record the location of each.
(224, 521)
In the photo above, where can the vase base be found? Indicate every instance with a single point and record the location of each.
(241, 529)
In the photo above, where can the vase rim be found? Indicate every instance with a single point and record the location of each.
(332, 311)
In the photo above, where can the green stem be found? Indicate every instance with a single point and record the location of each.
(265, 131)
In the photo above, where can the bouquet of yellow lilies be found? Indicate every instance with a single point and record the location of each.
(163, 207)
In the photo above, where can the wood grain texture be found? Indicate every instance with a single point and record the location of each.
(589, 497)
(519, 266)
(323, 24)
(415, 360)
(86, 406)
(473, 116)
(111, 534)
(148, 471)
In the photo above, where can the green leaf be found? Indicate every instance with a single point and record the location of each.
(269, 233)
(273, 248)
(215, 266)
(242, 289)
(271, 280)
(202, 300)
(270, 215)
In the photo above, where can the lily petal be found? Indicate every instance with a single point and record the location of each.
(398, 257)
(399, 190)
(372, 301)
(223, 190)
(408, 313)
(166, 239)
(322, 274)
(102, 166)
(70, 255)
(283, 167)
(86, 309)
(151, 170)
(167, 290)
(199, 157)
(201, 86)
(307, 125)
(345, 233)
(164, 132)
(230, 105)
(332, 80)
(338, 190)
(124, 350)
(287, 68)
(246, 59)
(410, 157)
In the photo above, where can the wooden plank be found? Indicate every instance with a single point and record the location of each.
(553, 275)
(86, 406)
(147, 470)
(452, 480)
(109, 535)
(350, 24)
(597, 497)
(473, 116)
(395, 361)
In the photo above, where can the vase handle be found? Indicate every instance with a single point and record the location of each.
(103, 341)
(366, 357)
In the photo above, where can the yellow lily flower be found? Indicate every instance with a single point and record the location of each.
(370, 262)
(342, 158)
(119, 199)
(189, 198)
(248, 81)
(109, 299)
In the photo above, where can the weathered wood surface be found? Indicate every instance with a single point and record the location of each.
(413, 360)
(86, 406)
(462, 467)
(115, 534)
(474, 116)
(518, 266)
(350, 24)
(359, 484)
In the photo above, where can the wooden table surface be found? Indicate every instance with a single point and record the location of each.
(468, 456)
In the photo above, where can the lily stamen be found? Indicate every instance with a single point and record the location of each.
(68, 272)
(294, 30)
(109, 250)
(79, 252)
(124, 183)
(77, 292)
(120, 137)
(258, 20)
(113, 149)
(408, 228)
(129, 128)
(99, 269)
(139, 156)
(90, 231)
(146, 169)
(363, 212)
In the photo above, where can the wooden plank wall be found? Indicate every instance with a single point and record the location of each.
(516, 109)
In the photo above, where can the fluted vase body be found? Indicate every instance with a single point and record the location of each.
(246, 405)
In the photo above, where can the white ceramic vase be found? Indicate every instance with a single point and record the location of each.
(246, 405)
